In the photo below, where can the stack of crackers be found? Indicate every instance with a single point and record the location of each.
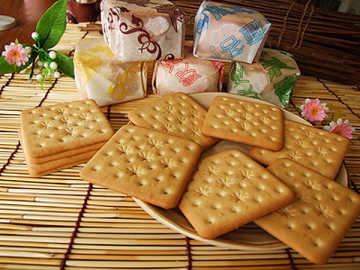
(61, 136)
(285, 184)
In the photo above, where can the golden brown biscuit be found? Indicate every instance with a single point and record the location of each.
(318, 220)
(245, 122)
(314, 148)
(53, 129)
(228, 190)
(63, 135)
(147, 164)
(176, 114)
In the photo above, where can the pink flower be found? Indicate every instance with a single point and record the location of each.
(341, 128)
(15, 54)
(313, 110)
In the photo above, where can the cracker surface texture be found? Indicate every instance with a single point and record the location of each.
(315, 224)
(317, 149)
(246, 122)
(63, 135)
(176, 114)
(149, 165)
(228, 190)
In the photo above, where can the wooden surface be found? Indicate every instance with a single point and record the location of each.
(27, 13)
(62, 222)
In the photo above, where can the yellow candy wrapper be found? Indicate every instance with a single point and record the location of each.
(100, 76)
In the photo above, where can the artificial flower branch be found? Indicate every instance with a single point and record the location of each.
(316, 113)
(49, 63)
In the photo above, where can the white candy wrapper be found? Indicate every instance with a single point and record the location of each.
(271, 79)
(187, 75)
(229, 33)
(143, 30)
(100, 76)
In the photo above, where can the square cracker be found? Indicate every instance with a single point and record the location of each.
(228, 190)
(61, 155)
(57, 128)
(314, 148)
(246, 122)
(147, 164)
(315, 224)
(176, 114)
(38, 170)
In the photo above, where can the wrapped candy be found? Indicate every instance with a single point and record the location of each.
(229, 33)
(100, 76)
(187, 75)
(143, 30)
(271, 79)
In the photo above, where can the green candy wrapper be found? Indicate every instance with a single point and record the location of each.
(271, 79)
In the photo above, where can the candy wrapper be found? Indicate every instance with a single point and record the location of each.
(187, 75)
(272, 79)
(99, 75)
(229, 33)
(143, 30)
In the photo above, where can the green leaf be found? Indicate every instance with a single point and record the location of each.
(6, 68)
(52, 25)
(65, 64)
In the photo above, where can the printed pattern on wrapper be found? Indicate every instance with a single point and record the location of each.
(272, 79)
(229, 33)
(100, 76)
(187, 75)
(143, 30)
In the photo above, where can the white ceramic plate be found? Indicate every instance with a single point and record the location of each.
(247, 237)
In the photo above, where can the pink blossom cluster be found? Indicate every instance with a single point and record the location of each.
(316, 112)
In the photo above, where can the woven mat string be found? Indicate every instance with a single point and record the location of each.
(13, 153)
(76, 228)
(285, 24)
(292, 264)
(305, 27)
(338, 98)
(300, 23)
(7, 83)
(188, 253)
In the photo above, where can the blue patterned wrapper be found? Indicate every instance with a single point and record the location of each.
(229, 33)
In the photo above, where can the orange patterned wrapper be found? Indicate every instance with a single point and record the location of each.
(187, 75)
(100, 76)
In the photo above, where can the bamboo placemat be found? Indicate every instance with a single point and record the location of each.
(62, 222)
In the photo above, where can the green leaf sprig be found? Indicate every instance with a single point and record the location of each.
(48, 33)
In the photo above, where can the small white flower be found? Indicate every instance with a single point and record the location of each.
(37, 71)
(40, 63)
(28, 50)
(56, 74)
(53, 65)
(52, 55)
(34, 35)
(39, 77)
(46, 65)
